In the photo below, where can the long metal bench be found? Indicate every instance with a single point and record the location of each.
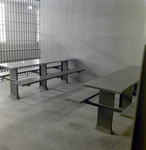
(28, 82)
(84, 95)
(4, 75)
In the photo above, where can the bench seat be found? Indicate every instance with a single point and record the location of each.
(129, 112)
(28, 82)
(20, 71)
(3, 75)
(83, 95)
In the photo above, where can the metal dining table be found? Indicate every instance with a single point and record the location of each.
(42, 63)
(120, 82)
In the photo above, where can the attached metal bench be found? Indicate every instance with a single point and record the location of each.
(4, 75)
(42, 63)
(83, 95)
(28, 82)
(86, 95)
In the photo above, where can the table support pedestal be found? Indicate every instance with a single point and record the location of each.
(64, 66)
(13, 86)
(126, 97)
(43, 71)
(105, 115)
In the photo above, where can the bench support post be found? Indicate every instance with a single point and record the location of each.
(13, 86)
(126, 97)
(64, 66)
(43, 71)
(105, 115)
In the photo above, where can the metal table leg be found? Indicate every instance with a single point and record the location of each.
(64, 66)
(126, 97)
(43, 71)
(105, 115)
(13, 86)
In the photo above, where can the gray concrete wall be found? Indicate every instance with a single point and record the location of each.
(105, 35)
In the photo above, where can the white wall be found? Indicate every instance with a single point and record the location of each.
(106, 35)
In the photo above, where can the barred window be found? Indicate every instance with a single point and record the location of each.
(19, 30)
(2, 24)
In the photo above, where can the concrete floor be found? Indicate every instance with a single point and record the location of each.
(45, 120)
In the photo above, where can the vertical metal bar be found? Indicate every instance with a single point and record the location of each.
(12, 26)
(28, 33)
(2, 14)
(6, 28)
(9, 32)
(32, 16)
(20, 27)
(27, 36)
(16, 44)
(19, 38)
(17, 29)
(13, 31)
(14, 21)
(32, 30)
(0, 37)
(24, 28)
(3, 29)
(35, 29)
(39, 27)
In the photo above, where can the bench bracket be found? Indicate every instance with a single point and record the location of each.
(119, 110)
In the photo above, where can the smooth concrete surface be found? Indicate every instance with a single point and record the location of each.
(45, 120)
(106, 35)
